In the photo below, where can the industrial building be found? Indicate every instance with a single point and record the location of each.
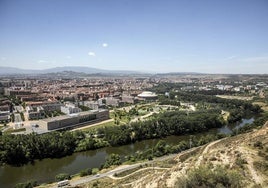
(74, 120)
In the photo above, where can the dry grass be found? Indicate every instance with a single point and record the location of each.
(263, 105)
(235, 97)
(236, 153)
(103, 182)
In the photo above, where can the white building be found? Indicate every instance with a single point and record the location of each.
(70, 108)
(147, 95)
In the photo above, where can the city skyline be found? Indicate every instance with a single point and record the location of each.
(148, 36)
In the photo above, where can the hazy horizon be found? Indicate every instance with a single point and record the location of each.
(148, 36)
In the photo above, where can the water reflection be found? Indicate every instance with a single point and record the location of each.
(229, 128)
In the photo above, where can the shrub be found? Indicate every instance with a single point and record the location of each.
(258, 144)
(95, 171)
(62, 176)
(205, 176)
(240, 162)
(262, 166)
(85, 172)
(113, 159)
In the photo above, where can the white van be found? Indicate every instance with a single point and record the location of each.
(63, 183)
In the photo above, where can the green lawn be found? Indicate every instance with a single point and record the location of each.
(9, 131)
(98, 126)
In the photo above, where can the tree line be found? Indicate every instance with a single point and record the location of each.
(20, 149)
(238, 108)
(162, 125)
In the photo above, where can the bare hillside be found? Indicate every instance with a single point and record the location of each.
(245, 156)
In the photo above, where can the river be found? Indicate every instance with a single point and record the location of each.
(45, 170)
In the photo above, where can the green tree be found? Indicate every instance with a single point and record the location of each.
(85, 172)
(95, 171)
(62, 176)
(113, 159)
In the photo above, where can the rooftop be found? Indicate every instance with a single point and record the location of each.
(147, 94)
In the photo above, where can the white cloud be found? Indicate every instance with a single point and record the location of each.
(42, 61)
(231, 57)
(104, 45)
(3, 58)
(91, 54)
(68, 57)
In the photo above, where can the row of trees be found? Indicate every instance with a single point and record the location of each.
(161, 125)
(20, 149)
(238, 108)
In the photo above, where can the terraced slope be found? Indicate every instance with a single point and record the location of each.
(245, 156)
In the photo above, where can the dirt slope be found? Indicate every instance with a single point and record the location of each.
(245, 153)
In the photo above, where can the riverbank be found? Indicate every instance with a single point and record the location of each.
(45, 170)
(114, 170)
(242, 154)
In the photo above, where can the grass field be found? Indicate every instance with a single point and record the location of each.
(110, 123)
(9, 131)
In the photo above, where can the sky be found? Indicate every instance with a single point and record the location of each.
(208, 36)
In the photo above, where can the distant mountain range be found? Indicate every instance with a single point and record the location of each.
(79, 71)
(87, 70)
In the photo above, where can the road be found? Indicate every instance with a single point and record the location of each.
(106, 174)
(123, 168)
(92, 125)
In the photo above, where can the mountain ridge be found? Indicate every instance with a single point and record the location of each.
(4, 70)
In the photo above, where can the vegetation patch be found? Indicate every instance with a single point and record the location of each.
(134, 177)
(28, 184)
(262, 166)
(85, 172)
(9, 131)
(262, 163)
(62, 176)
(101, 183)
(127, 172)
(206, 176)
(113, 159)
(100, 125)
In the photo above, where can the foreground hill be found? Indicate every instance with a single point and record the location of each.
(239, 161)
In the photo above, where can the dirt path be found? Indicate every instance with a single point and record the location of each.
(92, 125)
(205, 151)
(249, 156)
(153, 168)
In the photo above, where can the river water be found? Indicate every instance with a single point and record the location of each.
(45, 170)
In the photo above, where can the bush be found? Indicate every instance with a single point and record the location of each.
(205, 176)
(262, 166)
(113, 159)
(85, 172)
(258, 144)
(240, 162)
(95, 171)
(62, 176)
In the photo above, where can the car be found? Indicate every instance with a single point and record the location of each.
(97, 175)
(63, 183)
(35, 125)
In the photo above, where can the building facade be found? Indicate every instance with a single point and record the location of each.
(72, 120)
